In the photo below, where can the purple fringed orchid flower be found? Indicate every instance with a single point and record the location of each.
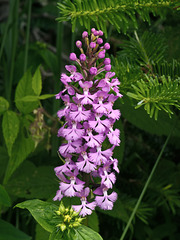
(89, 168)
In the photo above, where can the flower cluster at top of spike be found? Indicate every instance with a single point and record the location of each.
(88, 171)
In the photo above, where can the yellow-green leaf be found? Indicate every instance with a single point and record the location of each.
(37, 82)
(4, 105)
(10, 126)
(24, 89)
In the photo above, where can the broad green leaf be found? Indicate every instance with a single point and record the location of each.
(140, 119)
(4, 197)
(9, 232)
(118, 211)
(37, 82)
(21, 149)
(10, 126)
(119, 150)
(43, 212)
(93, 221)
(4, 105)
(24, 88)
(58, 235)
(30, 182)
(85, 233)
(41, 233)
(66, 235)
(28, 98)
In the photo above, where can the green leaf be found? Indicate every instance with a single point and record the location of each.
(66, 235)
(59, 235)
(140, 119)
(21, 149)
(9, 232)
(10, 126)
(30, 182)
(93, 221)
(37, 82)
(4, 197)
(24, 88)
(28, 98)
(118, 211)
(41, 233)
(43, 212)
(4, 105)
(85, 233)
(119, 150)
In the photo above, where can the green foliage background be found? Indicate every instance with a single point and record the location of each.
(36, 37)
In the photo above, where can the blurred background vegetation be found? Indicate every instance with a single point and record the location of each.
(145, 53)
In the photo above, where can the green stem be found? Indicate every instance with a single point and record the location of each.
(72, 41)
(4, 35)
(145, 188)
(14, 12)
(59, 46)
(142, 50)
(27, 35)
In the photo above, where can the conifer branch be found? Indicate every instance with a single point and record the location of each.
(157, 94)
(117, 13)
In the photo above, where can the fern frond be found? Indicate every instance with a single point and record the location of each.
(145, 50)
(157, 94)
(116, 12)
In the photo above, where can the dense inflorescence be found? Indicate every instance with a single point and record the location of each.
(89, 169)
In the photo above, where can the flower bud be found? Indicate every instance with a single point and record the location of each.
(75, 214)
(93, 70)
(58, 213)
(96, 33)
(92, 45)
(107, 61)
(78, 44)
(107, 67)
(99, 41)
(93, 30)
(61, 208)
(107, 46)
(76, 224)
(72, 57)
(82, 57)
(100, 33)
(62, 227)
(84, 34)
(101, 54)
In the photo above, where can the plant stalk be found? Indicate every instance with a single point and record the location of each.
(145, 188)
(27, 35)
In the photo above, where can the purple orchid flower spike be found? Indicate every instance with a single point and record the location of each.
(89, 117)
